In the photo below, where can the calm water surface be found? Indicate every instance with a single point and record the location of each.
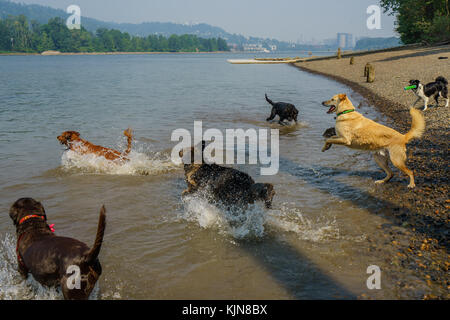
(311, 244)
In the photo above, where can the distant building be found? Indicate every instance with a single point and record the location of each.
(345, 41)
(253, 47)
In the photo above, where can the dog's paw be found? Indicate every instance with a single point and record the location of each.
(326, 147)
(379, 182)
(411, 186)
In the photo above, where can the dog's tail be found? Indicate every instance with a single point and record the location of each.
(417, 126)
(129, 134)
(95, 250)
(268, 100)
(442, 79)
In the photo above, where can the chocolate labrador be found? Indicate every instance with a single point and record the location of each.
(51, 259)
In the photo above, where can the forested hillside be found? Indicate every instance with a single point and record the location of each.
(17, 34)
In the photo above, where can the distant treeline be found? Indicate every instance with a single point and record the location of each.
(19, 35)
(377, 43)
(425, 21)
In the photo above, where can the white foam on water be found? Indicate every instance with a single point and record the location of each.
(14, 287)
(240, 224)
(139, 163)
(256, 221)
(290, 219)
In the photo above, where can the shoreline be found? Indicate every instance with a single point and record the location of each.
(102, 53)
(423, 211)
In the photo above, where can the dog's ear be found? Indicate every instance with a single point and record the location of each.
(70, 135)
(185, 152)
(342, 97)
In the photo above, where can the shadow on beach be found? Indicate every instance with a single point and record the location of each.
(422, 53)
(299, 276)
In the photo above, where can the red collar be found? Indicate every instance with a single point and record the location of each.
(29, 217)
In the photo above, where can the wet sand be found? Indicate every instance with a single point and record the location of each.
(424, 211)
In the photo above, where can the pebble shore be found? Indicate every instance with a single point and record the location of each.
(420, 230)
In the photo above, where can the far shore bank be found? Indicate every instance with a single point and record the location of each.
(424, 211)
(100, 53)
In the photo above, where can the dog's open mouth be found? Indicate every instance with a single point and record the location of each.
(332, 108)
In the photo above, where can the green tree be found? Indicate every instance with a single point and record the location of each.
(45, 43)
(420, 21)
(5, 36)
(20, 33)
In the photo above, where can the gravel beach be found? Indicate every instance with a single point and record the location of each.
(420, 228)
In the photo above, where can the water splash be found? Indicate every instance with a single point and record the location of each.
(256, 221)
(14, 287)
(290, 219)
(139, 164)
(239, 223)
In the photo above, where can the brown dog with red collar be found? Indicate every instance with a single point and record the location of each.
(51, 259)
(72, 140)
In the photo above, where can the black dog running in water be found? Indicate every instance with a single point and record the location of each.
(286, 111)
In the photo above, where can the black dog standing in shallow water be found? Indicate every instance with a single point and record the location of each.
(48, 257)
(286, 111)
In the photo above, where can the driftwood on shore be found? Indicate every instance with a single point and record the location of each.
(370, 73)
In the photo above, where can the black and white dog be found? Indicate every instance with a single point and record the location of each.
(286, 111)
(425, 92)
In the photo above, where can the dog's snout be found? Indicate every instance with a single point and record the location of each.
(324, 103)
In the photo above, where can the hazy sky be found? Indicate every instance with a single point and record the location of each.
(280, 19)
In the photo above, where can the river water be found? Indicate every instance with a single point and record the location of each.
(313, 243)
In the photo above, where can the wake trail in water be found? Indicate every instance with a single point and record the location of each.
(139, 163)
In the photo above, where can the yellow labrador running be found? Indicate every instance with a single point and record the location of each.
(357, 132)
